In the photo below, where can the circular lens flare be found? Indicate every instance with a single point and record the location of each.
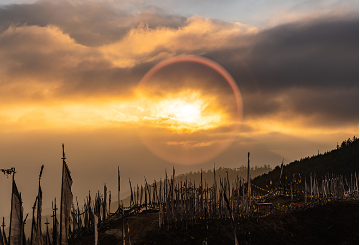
(193, 109)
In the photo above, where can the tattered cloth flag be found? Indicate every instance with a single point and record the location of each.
(38, 229)
(231, 215)
(66, 202)
(33, 240)
(16, 217)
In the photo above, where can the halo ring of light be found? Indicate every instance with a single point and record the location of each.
(208, 63)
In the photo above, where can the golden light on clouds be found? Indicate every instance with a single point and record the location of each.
(165, 42)
(50, 80)
(191, 98)
(184, 111)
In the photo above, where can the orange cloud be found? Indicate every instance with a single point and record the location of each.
(45, 62)
(197, 35)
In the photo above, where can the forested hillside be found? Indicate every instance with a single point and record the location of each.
(344, 160)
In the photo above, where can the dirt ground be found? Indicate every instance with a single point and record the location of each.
(333, 223)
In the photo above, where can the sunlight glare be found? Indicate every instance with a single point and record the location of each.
(189, 113)
(192, 109)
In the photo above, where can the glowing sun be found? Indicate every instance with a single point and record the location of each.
(192, 108)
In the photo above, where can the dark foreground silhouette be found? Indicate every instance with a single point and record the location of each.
(333, 223)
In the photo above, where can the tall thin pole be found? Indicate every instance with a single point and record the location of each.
(215, 193)
(231, 215)
(62, 184)
(201, 195)
(33, 223)
(3, 232)
(248, 179)
(12, 197)
(47, 233)
(55, 241)
(61, 197)
(123, 226)
(39, 207)
(172, 194)
(96, 228)
(4, 235)
(119, 187)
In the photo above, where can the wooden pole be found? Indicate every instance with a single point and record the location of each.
(32, 237)
(3, 231)
(123, 224)
(12, 195)
(55, 238)
(249, 184)
(231, 216)
(119, 188)
(61, 197)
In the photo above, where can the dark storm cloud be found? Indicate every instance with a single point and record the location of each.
(308, 68)
(329, 107)
(318, 53)
(90, 24)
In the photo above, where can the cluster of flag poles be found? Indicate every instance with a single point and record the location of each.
(17, 222)
(180, 204)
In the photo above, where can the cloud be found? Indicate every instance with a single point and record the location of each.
(90, 23)
(307, 68)
(302, 54)
(42, 62)
(196, 36)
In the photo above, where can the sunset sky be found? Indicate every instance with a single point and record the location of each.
(278, 79)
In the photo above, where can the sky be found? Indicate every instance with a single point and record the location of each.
(148, 85)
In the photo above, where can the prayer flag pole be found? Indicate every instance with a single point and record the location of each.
(66, 201)
(119, 187)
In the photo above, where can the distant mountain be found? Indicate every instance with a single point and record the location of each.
(208, 175)
(343, 160)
